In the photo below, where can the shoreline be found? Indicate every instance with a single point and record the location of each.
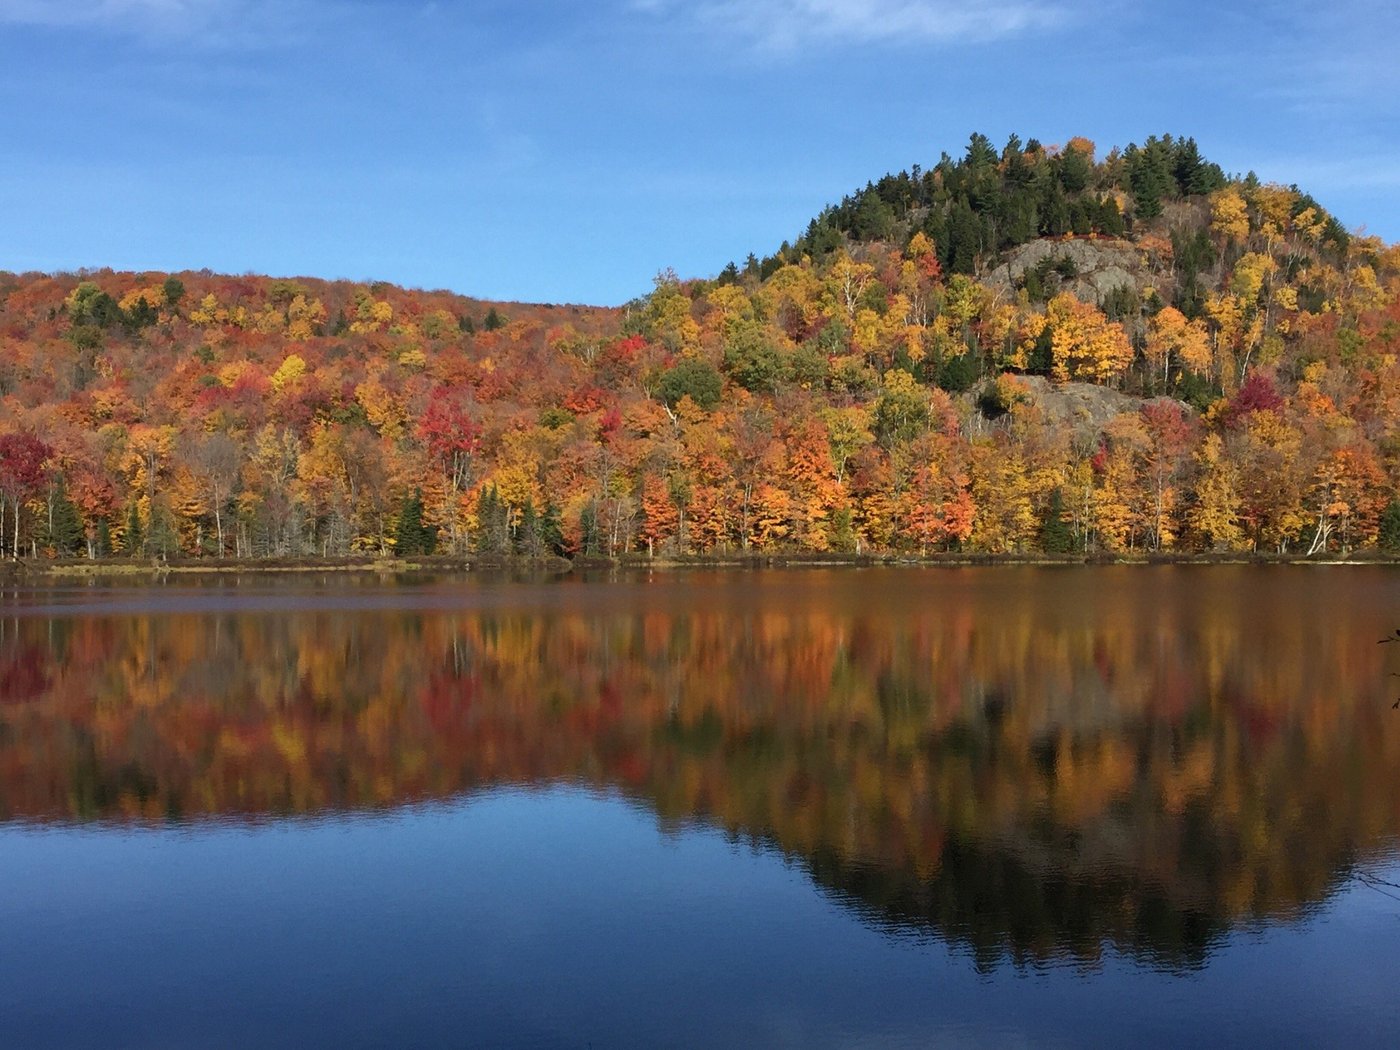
(83, 568)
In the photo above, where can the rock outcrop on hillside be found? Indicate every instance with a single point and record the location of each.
(1098, 266)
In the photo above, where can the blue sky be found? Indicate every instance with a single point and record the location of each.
(567, 152)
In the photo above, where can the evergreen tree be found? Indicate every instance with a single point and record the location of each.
(134, 541)
(1108, 218)
(589, 543)
(64, 531)
(173, 290)
(551, 530)
(102, 543)
(413, 535)
(964, 239)
(1056, 536)
(1194, 176)
(843, 533)
(493, 320)
(493, 519)
(161, 537)
(1073, 170)
(527, 534)
(1055, 216)
(1150, 176)
(1080, 222)
(1389, 538)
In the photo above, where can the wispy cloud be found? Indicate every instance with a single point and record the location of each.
(218, 21)
(789, 25)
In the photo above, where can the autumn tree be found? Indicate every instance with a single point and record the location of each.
(22, 459)
(1084, 344)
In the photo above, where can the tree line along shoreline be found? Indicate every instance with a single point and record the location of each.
(1037, 351)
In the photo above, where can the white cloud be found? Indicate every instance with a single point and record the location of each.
(787, 25)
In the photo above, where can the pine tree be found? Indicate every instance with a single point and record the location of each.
(1389, 538)
(134, 541)
(102, 544)
(413, 536)
(551, 530)
(65, 529)
(493, 520)
(589, 541)
(1056, 536)
(527, 535)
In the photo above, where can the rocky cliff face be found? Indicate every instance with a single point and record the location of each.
(1090, 269)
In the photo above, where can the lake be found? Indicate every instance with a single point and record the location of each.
(883, 807)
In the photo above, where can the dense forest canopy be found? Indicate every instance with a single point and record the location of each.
(1031, 349)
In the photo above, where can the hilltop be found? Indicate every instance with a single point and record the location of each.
(1031, 349)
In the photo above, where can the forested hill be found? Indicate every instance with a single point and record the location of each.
(1032, 349)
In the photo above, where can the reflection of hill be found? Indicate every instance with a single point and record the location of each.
(1010, 767)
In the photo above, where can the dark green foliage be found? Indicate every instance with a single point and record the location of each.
(89, 305)
(809, 365)
(1054, 212)
(1122, 304)
(1196, 390)
(1389, 538)
(134, 542)
(1056, 535)
(1109, 219)
(1194, 176)
(63, 527)
(984, 202)
(493, 320)
(874, 219)
(161, 538)
(692, 377)
(1038, 281)
(555, 417)
(466, 324)
(1150, 176)
(843, 533)
(102, 543)
(528, 541)
(956, 374)
(964, 240)
(1073, 169)
(751, 361)
(551, 531)
(1193, 253)
(1041, 356)
(980, 152)
(1019, 218)
(493, 523)
(141, 315)
(413, 535)
(729, 275)
(1081, 222)
(590, 539)
(85, 336)
(174, 290)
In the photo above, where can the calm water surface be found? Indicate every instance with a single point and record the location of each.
(885, 807)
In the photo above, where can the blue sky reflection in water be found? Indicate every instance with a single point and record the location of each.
(563, 917)
(980, 807)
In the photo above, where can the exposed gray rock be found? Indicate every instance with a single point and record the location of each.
(1100, 267)
(1085, 407)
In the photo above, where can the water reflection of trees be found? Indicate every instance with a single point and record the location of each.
(1026, 785)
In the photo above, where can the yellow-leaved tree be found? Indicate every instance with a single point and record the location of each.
(1084, 344)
